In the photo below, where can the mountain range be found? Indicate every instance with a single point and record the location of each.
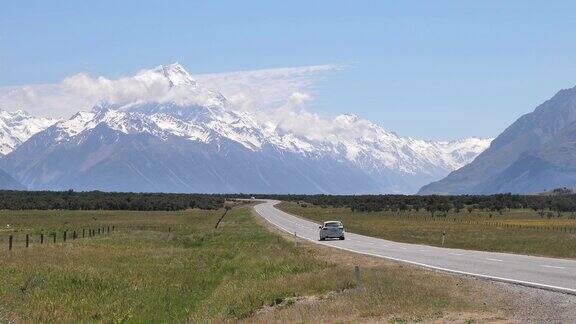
(193, 140)
(535, 154)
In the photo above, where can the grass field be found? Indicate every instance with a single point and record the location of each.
(240, 271)
(515, 231)
(140, 273)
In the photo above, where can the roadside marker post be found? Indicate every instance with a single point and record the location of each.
(443, 236)
(357, 277)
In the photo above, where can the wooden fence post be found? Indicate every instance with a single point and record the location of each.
(27, 240)
(41, 238)
(54, 236)
(64, 237)
(10, 242)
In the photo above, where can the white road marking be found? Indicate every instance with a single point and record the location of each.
(458, 254)
(497, 260)
(554, 267)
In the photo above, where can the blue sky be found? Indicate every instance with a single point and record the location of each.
(435, 69)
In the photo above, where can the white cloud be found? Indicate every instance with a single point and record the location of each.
(295, 118)
(264, 88)
(246, 90)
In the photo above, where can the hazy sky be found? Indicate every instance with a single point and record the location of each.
(434, 69)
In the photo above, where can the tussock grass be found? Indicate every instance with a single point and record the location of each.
(516, 231)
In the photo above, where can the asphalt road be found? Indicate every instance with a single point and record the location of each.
(540, 272)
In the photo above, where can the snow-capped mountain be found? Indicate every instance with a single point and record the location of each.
(192, 140)
(18, 126)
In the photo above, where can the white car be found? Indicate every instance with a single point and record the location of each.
(331, 229)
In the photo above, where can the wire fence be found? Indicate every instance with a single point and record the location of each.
(13, 239)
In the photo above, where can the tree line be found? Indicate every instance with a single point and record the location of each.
(98, 200)
(440, 205)
(434, 204)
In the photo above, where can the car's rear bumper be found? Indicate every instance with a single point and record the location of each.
(332, 235)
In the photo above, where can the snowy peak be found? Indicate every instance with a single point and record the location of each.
(18, 126)
(175, 73)
(14, 115)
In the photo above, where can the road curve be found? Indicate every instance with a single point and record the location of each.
(539, 272)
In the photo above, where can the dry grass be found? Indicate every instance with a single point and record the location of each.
(517, 231)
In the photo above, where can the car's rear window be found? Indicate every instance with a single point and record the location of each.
(333, 224)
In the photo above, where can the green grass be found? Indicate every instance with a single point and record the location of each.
(516, 231)
(142, 273)
(193, 273)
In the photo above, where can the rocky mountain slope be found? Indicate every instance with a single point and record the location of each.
(534, 154)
